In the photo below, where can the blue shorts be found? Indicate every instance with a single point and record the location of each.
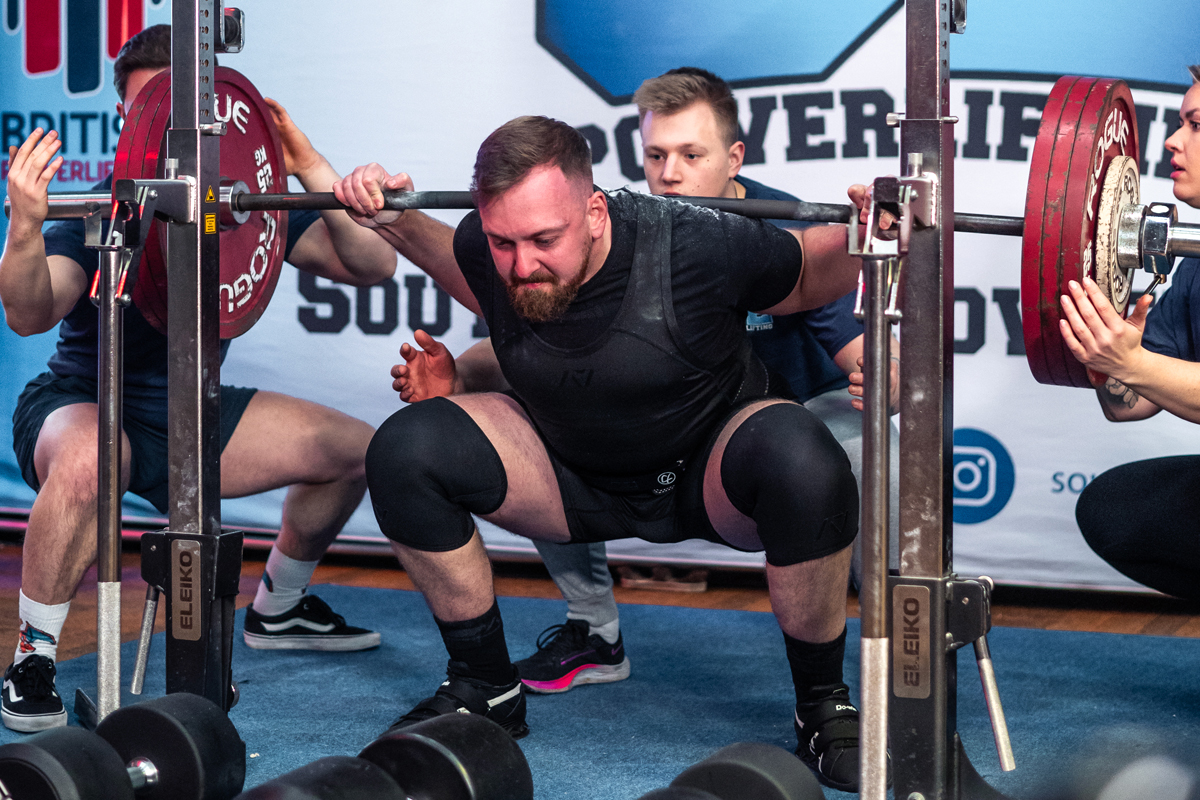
(144, 422)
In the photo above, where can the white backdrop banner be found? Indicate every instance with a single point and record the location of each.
(417, 86)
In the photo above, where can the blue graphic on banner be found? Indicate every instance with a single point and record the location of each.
(1148, 44)
(616, 45)
(984, 476)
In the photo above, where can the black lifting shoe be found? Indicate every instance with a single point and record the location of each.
(31, 702)
(459, 694)
(827, 730)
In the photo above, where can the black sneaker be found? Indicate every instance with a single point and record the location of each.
(310, 625)
(567, 656)
(30, 701)
(459, 694)
(827, 730)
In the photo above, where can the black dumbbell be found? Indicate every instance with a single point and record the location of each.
(330, 778)
(451, 757)
(180, 746)
(191, 742)
(66, 764)
(746, 769)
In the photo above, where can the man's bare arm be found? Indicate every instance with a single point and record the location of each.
(37, 292)
(335, 247)
(424, 241)
(828, 271)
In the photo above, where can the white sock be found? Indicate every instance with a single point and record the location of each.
(41, 625)
(283, 583)
(609, 631)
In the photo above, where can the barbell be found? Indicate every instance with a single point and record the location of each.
(1083, 215)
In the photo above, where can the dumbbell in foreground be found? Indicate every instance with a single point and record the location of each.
(451, 757)
(177, 747)
(741, 771)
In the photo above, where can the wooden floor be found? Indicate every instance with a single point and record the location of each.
(739, 590)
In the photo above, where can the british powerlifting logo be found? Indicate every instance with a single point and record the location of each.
(78, 35)
(983, 476)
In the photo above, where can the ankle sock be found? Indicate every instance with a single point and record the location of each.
(609, 631)
(41, 626)
(478, 647)
(283, 583)
(815, 666)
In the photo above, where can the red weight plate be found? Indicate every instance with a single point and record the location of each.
(251, 253)
(146, 122)
(1066, 145)
(1031, 245)
(1108, 128)
(1095, 123)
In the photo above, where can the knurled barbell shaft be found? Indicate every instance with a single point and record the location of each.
(797, 210)
(1185, 238)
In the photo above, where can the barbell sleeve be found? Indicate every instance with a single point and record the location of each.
(1185, 240)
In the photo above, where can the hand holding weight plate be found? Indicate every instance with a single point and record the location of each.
(1086, 125)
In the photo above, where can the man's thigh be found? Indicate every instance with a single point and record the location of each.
(56, 425)
(532, 505)
(280, 441)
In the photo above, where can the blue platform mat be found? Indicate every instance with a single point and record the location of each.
(701, 679)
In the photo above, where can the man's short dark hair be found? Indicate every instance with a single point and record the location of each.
(149, 49)
(675, 90)
(521, 145)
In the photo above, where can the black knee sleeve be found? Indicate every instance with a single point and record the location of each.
(783, 469)
(429, 467)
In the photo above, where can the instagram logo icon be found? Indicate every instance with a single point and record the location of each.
(983, 476)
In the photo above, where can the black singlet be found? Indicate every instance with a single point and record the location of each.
(647, 391)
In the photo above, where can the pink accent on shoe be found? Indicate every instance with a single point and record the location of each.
(561, 684)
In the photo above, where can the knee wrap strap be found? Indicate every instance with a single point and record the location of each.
(783, 469)
(429, 467)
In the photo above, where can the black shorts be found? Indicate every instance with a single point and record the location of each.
(144, 421)
(597, 514)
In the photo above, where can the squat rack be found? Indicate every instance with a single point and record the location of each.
(198, 564)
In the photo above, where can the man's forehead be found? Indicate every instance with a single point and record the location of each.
(695, 124)
(544, 201)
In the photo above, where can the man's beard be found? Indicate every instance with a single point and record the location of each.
(544, 305)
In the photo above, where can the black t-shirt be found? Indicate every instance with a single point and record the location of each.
(145, 348)
(721, 265)
(624, 386)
